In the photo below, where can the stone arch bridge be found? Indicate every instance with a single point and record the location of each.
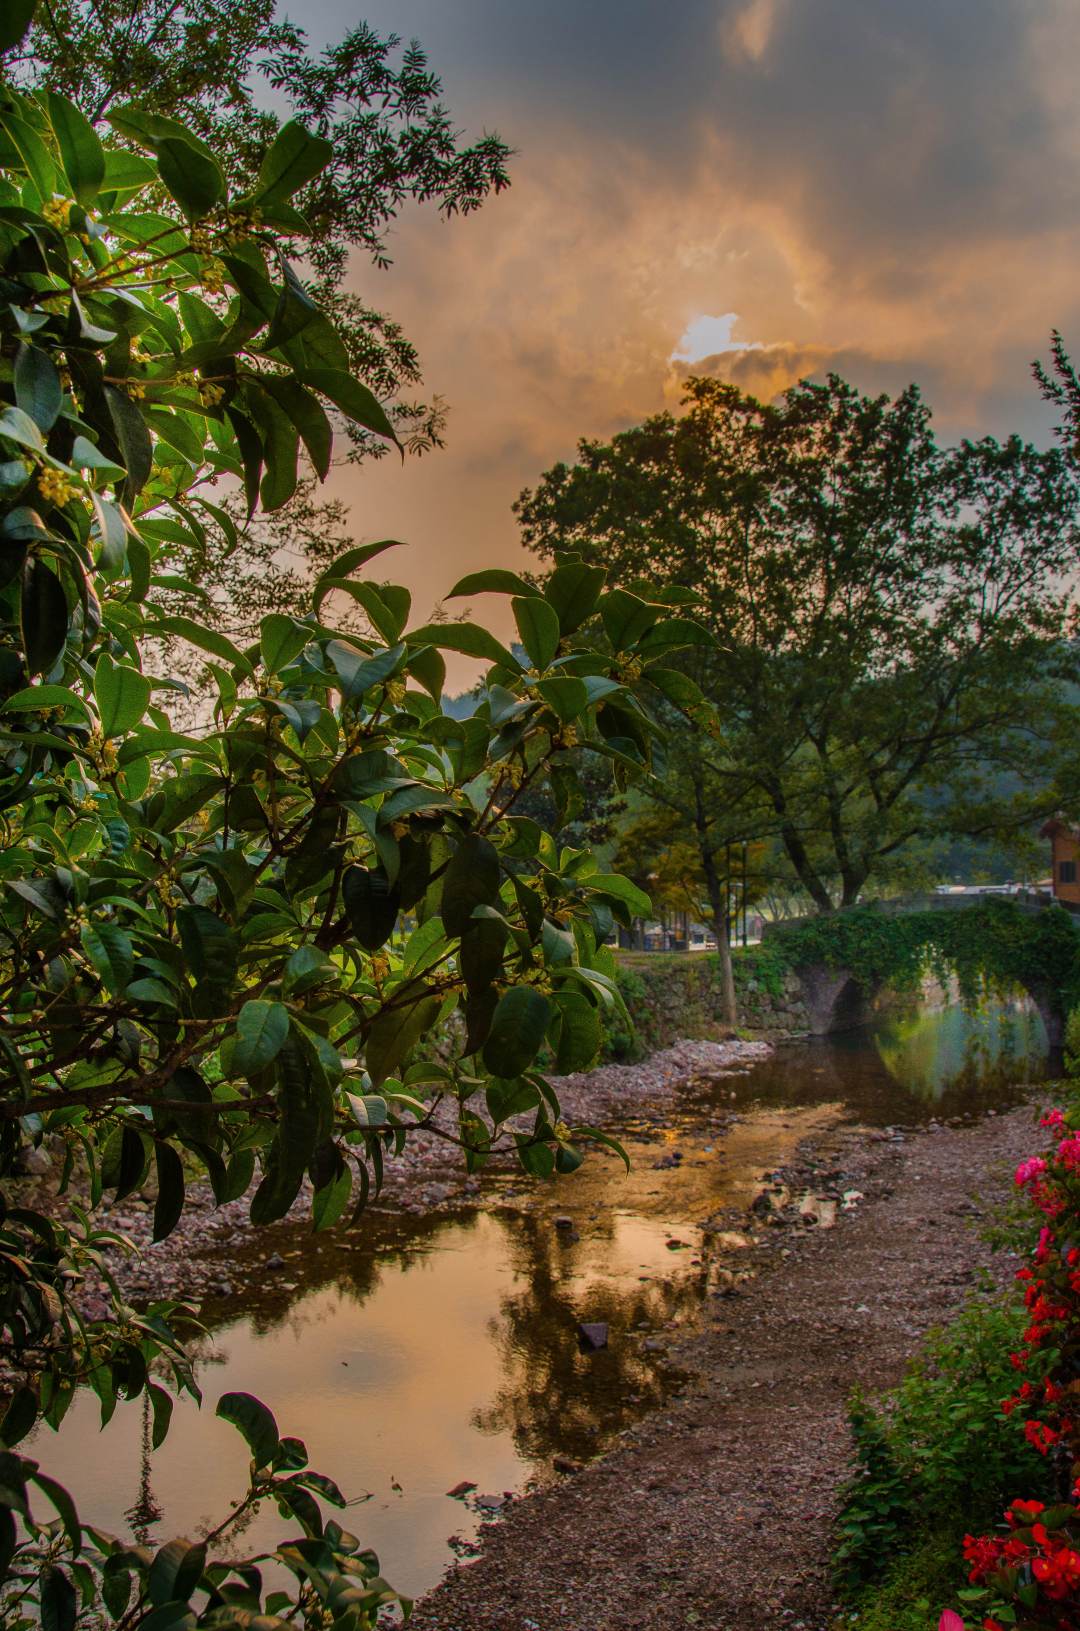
(1023, 940)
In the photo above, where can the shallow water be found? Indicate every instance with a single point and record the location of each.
(428, 1351)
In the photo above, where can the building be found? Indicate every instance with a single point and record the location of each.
(1064, 839)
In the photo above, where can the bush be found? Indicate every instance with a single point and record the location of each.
(939, 1456)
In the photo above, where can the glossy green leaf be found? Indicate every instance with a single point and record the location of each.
(110, 951)
(169, 1205)
(15, 19)
(355, 400)
(281, 639)
(372, 905)
(37, 386)
(472, 879)
(44, 617)
(538, 626)
(573, 590)
(262, 1029)
(122, 695)
(294, 158)
(194, 179)
(81, 152)
(254, 1422)
(517, 1031)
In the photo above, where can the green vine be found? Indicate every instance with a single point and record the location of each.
(995, 945)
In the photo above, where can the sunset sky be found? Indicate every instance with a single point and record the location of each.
(763, 188)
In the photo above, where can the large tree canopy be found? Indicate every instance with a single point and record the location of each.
(890, 614)
(235, 74)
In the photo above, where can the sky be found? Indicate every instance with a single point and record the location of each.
(764, 189)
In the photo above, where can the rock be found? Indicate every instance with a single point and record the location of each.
(35, 1162)
(564, 1223)
(564, 1463)
(654, 1345)
(222, 1288)
(592, 1336)
(491, 1503)
(459, 1491)
(275, 1261)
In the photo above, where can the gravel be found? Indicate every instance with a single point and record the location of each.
(717, 1512)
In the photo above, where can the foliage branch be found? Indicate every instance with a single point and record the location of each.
(230, 951)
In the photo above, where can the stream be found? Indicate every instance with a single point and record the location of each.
(429, 1351)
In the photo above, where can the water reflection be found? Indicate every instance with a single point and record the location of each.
(939, 1060)
(427, 1351)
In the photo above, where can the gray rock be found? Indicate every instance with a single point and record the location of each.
(592, 1336)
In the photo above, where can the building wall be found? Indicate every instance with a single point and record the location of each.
(1065, 852)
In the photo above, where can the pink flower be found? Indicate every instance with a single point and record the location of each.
(1029, 1170)
(950, 1621)
(1055, 1120)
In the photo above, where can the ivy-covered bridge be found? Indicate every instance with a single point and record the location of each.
(844, 960)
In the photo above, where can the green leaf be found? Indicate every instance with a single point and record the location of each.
(472, 879)
(468, 638)
(254, 1421)
(38, 391)
(496, 580)
(355, 400)
(626, 618)
(219, 645)
(372, 905)
(538, 626)
(81, 151)
(395, 1033)
(191, 176)
(566, 696)
(616, 887)
(15, 19)
(35, 697)
(517, 1031)
(573, 590)
(59, 1604)
(308, 418)
(281, 639)
(170, 1196)
(110, 951)
(122, 695)
(32, 151)
(44, 617)
(295, 157)
(261, 1032)
(175, 1572)
(19, 1417)
(581, 1032)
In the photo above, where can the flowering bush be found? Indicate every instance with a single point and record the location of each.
(1027, 1575)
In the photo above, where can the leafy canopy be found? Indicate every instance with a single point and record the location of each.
(890, 616)
(264, 950)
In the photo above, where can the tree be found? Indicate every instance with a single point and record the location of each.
(890, 616)
(227, 952)
(235, 74)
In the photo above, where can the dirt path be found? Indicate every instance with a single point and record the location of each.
(716, 1514)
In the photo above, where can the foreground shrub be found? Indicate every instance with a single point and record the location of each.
(222, 951)
(939, 1456)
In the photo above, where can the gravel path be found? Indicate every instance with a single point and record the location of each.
(716, 1514)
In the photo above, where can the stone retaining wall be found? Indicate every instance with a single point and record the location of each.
(676, 995)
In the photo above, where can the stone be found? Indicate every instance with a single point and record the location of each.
(459, 1491)
(564, 1223)
(275, 1261)
(222, 1288)
(592, 1336)
(566, 1464)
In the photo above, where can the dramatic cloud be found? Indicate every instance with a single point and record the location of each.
(887, 190)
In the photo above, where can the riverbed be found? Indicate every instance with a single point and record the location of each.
(435, 1351)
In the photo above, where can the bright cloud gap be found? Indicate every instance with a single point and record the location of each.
(708, 336)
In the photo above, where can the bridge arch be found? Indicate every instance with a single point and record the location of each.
(844, 960)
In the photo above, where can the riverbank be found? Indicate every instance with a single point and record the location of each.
(717, 1511)
(193, 1263)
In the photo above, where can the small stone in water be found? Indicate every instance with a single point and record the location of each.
(592, 1336)
(564, 1463)
(564, 1223)
(459, 1491)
